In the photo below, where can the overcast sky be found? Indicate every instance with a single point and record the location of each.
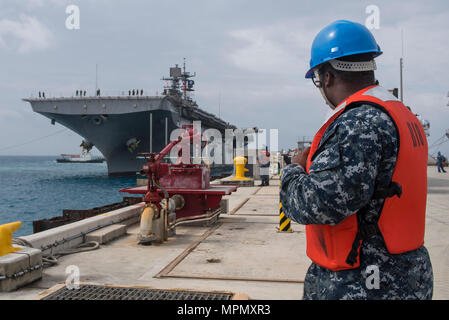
(252, 53)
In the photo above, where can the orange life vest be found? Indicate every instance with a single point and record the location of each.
(402, 219)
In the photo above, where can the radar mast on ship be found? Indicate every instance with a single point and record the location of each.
(179, 82)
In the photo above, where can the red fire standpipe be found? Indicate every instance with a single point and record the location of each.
(176, 192)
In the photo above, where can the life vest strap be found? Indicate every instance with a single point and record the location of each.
(394, 189)
(354, 253)
(364, 231)
(368, 230)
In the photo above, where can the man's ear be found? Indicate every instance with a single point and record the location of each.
(328, 79)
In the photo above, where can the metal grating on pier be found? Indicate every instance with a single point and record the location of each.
(99, 292)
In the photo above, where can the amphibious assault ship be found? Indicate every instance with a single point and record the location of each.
(123, 126)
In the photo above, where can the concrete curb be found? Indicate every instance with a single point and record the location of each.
(72, 234)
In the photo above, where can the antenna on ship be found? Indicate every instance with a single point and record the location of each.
(187, 84)
(96, 77)
(219, 103)
(401, 65)
(184, 82)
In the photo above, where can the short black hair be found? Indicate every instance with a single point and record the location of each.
(364, 77)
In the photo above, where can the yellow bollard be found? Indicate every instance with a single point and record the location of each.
(284, 222)
(240, 169)
(6, 232)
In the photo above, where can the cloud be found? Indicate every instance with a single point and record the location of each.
(32, 4)
(25, 35)
(260, 54)
(276, 48)
(36, 3)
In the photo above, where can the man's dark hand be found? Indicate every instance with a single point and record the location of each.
(301, 158)
(287, 159)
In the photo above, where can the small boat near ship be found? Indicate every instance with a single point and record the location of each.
(79, 158)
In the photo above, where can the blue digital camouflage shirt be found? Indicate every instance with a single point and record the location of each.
(357, 152)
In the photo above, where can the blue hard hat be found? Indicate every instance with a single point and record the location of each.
(339, 39)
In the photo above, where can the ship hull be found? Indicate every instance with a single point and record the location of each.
(111, 135)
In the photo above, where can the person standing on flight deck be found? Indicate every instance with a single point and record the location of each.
(363, 210)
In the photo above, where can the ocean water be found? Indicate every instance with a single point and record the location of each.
(37, 187)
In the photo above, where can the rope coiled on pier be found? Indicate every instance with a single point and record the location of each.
(52, 259)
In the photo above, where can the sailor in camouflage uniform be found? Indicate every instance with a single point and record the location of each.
(357, 153)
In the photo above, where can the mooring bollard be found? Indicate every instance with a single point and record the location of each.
(240, 170)
(6, 231)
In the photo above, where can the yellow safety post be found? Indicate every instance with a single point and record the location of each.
(6, 232)
(240, 170)
(284, 222)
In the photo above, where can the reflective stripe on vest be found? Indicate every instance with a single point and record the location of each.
(402, 220)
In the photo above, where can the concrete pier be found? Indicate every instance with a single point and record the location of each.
(243, 253)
